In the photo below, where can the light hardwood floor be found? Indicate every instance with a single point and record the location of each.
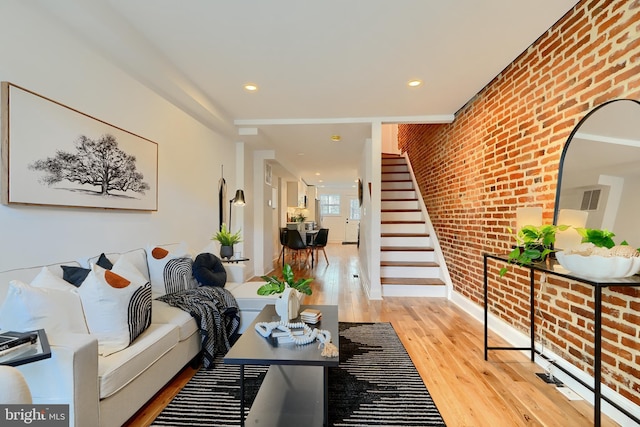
(445, 344)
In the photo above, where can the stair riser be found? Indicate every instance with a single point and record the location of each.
(395, 168)
(411, 272)
(410, 204)
(415, 291)
(407, 256)
(397, 185)
(395, 176)
(403, 228)
(398, 194)
(406, 241)
(401, 216)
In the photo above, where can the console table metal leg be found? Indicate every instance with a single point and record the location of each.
(532, 315)
(242, 395)
(597, 356)
(486, 309)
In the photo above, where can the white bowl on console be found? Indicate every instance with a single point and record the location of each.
(599, 267)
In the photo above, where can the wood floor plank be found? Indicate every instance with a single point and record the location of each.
(447, 348)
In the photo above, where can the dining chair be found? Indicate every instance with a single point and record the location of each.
(320, 242)
(283, 242)
(296, 244)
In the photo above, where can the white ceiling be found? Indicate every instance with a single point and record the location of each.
(323, 67)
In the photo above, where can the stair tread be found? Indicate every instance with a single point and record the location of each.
(402, 222)
(408, 264)
(406, 249)
(411, 281)
(399, 200)
(404, 234)
(400, 210)
(397, 189)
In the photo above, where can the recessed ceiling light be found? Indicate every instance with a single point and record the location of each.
(317, 173)
(300, 154)
(250, 87)
(321, 180)
(414, 83)
(336, 138)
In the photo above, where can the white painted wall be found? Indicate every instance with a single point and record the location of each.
(39, 54)
(390, 139)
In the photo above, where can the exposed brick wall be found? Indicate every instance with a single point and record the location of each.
(502, 152)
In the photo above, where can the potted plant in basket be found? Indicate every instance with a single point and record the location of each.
(227, 240)
(533, 243)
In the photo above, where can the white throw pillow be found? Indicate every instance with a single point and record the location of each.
(170, 271)
(117, 308)
(46, 305)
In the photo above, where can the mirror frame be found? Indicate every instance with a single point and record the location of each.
(575, 130)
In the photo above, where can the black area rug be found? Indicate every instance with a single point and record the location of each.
(376, 384)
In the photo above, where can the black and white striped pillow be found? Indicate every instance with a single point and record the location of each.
(170, 271)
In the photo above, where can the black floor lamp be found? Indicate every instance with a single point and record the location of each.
(238, 200)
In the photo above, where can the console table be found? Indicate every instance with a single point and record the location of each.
(553, 267)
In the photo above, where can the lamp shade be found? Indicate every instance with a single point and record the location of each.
(238, 200)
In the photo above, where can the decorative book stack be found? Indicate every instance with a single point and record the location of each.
(310, 315)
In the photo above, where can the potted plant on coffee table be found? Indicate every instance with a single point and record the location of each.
(275, 285)
(533, 243)
(227, 240)
(288, 305)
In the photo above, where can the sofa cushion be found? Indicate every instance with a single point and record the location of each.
(137, 257)
(49, 303)
(169, 270)
(246, 294)
(119, 369)
(164, 313)
(117, 308)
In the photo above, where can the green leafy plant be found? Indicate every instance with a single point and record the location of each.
(533, 243)
(226, 238)
(299, 218)
(276, 285)
(600, 238)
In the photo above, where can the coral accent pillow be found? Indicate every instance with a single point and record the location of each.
(117, 306)
(170, 271)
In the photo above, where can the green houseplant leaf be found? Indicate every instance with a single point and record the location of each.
(275, 285)
(601, 238)
(226, 238)
(534, 243)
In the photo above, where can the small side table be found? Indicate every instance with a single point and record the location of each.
(39, 351)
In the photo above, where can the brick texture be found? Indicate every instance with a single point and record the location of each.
(503, 151)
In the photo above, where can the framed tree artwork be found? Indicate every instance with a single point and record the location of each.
(54, 155)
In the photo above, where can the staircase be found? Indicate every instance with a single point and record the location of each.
(409, 264)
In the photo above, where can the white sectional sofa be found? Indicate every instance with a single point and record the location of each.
(106, 391)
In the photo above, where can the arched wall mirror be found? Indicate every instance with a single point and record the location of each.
(599, 175)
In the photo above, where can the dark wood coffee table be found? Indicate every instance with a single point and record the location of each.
(295, 390)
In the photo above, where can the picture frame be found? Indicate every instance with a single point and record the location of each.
(54, 155)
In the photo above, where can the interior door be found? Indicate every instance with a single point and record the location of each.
(352, 222)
